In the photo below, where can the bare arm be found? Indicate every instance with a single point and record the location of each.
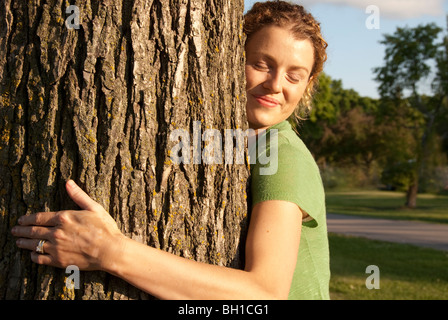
(90, 240)
(271, 253)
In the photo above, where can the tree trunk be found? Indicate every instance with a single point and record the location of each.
(97, 104)
(411, 196)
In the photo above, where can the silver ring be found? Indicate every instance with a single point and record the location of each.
(40, 247)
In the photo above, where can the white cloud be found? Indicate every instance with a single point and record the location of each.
(396, 9)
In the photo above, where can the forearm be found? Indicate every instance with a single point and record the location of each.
(168, 276)
(90, 239)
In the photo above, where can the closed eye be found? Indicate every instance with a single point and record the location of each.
(261, 66)
(294, 77)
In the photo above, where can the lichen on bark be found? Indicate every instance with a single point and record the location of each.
(97, 104)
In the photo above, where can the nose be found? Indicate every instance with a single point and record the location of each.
(273, 82)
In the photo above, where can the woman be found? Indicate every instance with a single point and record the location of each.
(286, 246)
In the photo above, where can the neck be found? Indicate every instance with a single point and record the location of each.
(258, 128)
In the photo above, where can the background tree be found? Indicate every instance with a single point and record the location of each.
(441, 89)
(97, 104)
(408, 56)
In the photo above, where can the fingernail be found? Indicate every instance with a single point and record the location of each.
(71, 183)
(20, 220)
(14, 230)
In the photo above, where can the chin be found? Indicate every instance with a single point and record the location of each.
(260, 118)
(261, 121)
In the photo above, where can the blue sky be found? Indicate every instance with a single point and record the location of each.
(354, 50)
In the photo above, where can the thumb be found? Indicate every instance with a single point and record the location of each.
(81, 198)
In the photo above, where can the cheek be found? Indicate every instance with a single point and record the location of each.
(253, 78)
(294, 95)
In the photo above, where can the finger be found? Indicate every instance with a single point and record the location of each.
(31, 244)
(31, 232)
(43, 259)
(39, 219)
(81, 198)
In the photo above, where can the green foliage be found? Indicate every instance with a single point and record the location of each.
(324, 108)
(408, 56)
(408, 53)
(399, 175)
(341, 126)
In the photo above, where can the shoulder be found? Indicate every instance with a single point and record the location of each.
(282, 149)
(286, 170)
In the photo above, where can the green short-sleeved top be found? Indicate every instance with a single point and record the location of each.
(295, 178)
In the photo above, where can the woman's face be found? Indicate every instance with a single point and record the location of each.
(278, 70)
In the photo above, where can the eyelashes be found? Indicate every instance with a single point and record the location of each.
(295, 78)
(261, 66)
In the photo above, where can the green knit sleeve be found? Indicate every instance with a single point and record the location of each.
(297, 179)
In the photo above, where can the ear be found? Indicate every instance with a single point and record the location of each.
(310, 82)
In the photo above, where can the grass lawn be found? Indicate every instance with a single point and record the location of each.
(406, 272)
(388, 204)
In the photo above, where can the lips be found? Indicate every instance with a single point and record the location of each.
(266, 101)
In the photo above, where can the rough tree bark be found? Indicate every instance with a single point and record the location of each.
(97, 104)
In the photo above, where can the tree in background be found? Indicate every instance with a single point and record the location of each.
(97, 104)
(407, 63)
(441, 88)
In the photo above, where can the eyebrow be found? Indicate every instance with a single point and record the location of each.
(271, 58)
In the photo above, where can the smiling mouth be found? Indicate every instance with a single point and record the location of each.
(267, 101)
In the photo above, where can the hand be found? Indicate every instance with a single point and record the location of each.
(88, 238)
